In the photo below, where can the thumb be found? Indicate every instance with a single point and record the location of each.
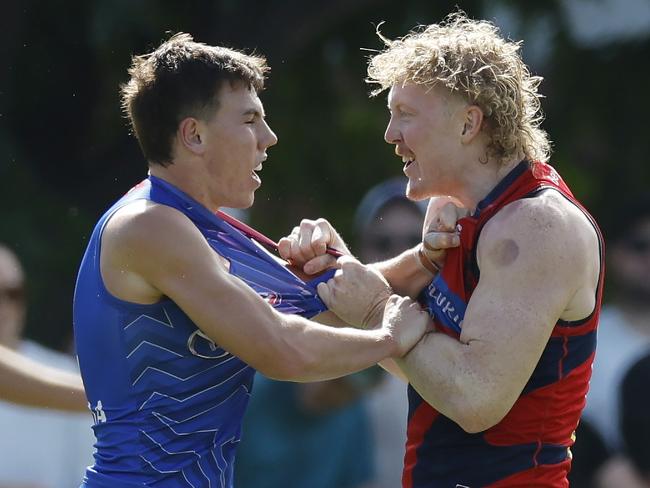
(447, 218)
(346, 259)
(325, 293)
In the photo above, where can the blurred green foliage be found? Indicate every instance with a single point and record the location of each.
(66, 154)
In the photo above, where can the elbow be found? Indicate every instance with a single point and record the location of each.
(475, 417)
(478, 401)
(474, 425)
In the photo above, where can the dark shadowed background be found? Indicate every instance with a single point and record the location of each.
(66, 152)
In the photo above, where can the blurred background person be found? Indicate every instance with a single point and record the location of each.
(39, 448)
(631, 469)
(623, 336)
(590, 456)
(624, 332)
(387, 223)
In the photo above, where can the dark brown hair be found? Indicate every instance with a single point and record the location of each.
(181, 78)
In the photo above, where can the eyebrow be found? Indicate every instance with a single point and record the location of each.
(399, 106)
(254, 111)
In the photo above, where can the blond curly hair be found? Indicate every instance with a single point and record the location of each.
(472, 59)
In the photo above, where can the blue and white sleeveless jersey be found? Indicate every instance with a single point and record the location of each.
(166, 400)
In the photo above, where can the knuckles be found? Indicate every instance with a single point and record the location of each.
(307, 223)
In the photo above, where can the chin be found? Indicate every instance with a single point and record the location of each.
(250, 200)
(243, 201)
(415, 191)
(248, 203)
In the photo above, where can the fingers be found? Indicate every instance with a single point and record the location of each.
(284, 248)
(408, 322)
(356, 293)
(289, 249)
(402, 302)
(435, 245)
(393, 301)
(462, 212)
(444, 234)
(443, 215)
(327, 261)
(435, 241)
(319, 263)
(308, 240)
(304, 240)
(446, 219)
(321, 237)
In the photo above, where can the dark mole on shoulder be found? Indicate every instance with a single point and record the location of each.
(505, 252)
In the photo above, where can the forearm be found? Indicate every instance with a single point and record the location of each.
(312, 352)
(330, 318)
(388, 364)
(449, 375)
(405, 273)
(32, 384)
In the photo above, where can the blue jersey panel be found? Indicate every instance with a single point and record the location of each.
(167, 401)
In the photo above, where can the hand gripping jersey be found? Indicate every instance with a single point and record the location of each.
(530, 446)
(166, 400)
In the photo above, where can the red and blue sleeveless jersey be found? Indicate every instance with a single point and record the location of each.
(531, 445)
(167, 401)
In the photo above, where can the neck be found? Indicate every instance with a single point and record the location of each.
(189, 180)
(481, 178)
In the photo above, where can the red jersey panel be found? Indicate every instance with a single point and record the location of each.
(530, 446)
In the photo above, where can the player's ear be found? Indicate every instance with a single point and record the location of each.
(472, 123)
(189, 135)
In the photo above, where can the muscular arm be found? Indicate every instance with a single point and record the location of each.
(539, 262)
(32, 384)
(166, 255)
(405, 273)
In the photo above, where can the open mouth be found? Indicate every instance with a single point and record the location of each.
(254, 174)
(407, 162)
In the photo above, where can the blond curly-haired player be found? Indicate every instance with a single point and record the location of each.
(496, 390)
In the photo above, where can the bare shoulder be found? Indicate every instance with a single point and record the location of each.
(144, 244)
(547, 223)
(547, 240)
(144, 219)
(144, 230)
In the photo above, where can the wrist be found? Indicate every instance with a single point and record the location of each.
(425, 262)
(389, 340)
(376, 313)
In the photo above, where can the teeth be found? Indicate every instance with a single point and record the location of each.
(406, 160)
